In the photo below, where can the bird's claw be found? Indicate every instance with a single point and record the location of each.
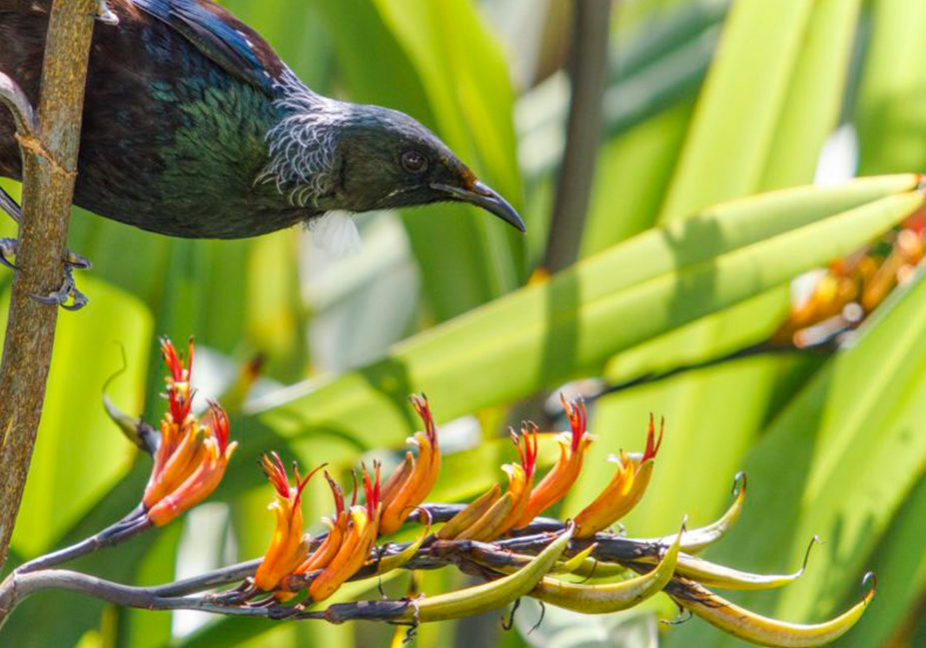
(76, 261)
(67, 296)
(8, 252)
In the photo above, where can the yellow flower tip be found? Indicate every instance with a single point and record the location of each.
(288, 547)
(625, 489)
(538, 276)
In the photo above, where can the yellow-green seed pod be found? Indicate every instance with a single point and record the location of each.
(609, 597)
(390, 563)
(492, 595)
(761, 630)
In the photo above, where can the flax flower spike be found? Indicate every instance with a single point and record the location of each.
(288, 546)
(625, 488)
(191, 457)
(413, 479)
(572, 446)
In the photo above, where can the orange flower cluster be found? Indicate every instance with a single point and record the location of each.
(351, 532)
(854, 286)
(572, 446)
(493, 515)
(291, 564)
(191, 459)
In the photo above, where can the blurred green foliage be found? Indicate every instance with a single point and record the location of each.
(705, 103)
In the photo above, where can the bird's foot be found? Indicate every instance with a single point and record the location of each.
(67, 296)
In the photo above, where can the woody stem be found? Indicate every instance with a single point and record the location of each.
(126, 528)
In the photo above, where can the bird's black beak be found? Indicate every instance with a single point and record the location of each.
(485, 197)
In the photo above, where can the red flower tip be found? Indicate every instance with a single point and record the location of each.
(179, 392)
(420, 403)
(176, 364)
(218, 421)
(337, 493)
(652, 444)
(371, 488)
(578, 419)
(276, 473)
(527, 446)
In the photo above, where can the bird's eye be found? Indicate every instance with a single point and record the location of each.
(414, 162)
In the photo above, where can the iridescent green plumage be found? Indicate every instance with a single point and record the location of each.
(193, 127)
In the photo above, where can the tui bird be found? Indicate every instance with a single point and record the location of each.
(194, 127)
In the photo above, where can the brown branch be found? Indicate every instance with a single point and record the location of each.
(49, 170)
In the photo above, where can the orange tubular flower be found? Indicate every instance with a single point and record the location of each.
(520, 476)
(288, 547)
(572, 446)
(358, 541)
(337, 528)
(412, 480)
(191, 459)
(490, 515)
(625, 489)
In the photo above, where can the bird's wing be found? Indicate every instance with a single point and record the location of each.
(21, 6)
(220, 36)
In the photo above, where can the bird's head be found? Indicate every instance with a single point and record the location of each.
(360, 158)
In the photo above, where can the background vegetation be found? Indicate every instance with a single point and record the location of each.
(705, 102)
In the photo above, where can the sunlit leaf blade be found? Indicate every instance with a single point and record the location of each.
(900, 562)
(738, 110)
(550, 331)
(759, 123)
(888, 116)
(838, 462)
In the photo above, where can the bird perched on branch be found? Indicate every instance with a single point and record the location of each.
(194, 127)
